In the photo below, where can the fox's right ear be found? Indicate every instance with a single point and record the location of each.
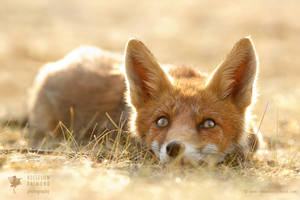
(145, 78)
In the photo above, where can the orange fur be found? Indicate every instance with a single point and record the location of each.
(91, 83)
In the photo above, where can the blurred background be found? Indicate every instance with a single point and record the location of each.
(195, 32)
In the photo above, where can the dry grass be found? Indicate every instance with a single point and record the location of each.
(194, 32)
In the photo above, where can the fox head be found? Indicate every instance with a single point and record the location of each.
(180, 112)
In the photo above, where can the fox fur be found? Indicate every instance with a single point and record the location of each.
(210, 116)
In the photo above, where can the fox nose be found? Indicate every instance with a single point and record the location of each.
(174, 148)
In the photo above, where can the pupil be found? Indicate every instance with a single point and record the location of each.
(162, 122)
(210, 123)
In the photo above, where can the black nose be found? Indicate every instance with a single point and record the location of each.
(174, 148)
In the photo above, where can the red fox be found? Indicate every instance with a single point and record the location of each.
(175, 110)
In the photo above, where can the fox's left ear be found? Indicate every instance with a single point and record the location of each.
(235, 77)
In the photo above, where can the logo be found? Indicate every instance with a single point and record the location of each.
(14, 182)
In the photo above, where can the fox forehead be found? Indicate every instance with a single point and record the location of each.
(187, 94)
(184, 103)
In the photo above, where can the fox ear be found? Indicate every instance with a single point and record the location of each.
(145, 78)
(235, 77)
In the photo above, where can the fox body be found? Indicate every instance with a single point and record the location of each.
(77, 90)
(177, 111)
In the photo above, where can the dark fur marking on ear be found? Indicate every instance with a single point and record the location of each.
(143, 78)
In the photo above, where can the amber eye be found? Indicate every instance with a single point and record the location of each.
(208, 123)
(162, 122)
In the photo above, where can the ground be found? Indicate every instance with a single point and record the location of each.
(198, 33)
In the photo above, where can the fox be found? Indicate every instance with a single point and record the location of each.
(177, 111)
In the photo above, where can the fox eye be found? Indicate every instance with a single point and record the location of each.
(208, 123)
(162, 122)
